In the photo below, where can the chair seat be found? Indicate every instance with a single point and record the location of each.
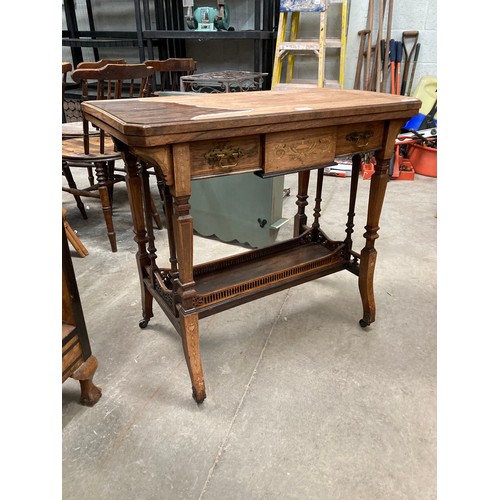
(75, 129)
(73, 150)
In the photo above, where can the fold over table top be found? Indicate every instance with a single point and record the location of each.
(176, 118)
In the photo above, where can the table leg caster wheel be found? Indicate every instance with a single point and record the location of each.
(143, 323)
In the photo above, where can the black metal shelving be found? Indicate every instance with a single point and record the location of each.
(169, 36)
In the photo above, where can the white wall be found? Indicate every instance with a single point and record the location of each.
(408, 15)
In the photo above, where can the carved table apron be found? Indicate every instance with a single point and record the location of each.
(266, 132)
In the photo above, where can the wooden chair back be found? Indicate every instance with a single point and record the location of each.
(99, 64)
(168, 72)
(113, 81)
(71, 111)
(66, 70)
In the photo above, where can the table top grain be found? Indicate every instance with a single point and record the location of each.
(196, 113)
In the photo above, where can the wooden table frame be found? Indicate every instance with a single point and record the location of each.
(269, 133)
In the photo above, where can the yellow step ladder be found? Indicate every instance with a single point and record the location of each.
(316, 47)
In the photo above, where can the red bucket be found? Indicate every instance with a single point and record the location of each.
(423, 159)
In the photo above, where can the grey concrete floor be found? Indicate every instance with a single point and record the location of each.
(302, 403)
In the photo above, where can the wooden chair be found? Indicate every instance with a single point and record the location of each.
(72, 115)
(169, 71)
(99, 64)
(72, 129)
(67, 68)
(97, 151)
(72, 237)
(73, 124)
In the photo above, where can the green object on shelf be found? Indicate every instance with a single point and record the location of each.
(209, 18)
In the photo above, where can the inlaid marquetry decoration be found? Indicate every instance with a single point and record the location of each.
(285, 151)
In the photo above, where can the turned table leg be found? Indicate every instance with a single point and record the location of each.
(134, 181)
(356, 164)
(102, 181)
(300, 219)
(317, 206)
(368, 256)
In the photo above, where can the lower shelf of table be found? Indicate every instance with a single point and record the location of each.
(231, 281)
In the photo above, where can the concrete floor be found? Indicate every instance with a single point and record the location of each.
(302, 403)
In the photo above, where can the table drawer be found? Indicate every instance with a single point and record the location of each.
(299, 149)
(213, 157)
(361, 137)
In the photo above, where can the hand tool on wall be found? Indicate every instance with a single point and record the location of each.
(377, 62)
(407, 55)
(385, 65)
(399, 54)
(369, 47)
(359, 66)
(392, 57)
(383, 69)
(415, 58)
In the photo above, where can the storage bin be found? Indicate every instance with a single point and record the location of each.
(423, 159)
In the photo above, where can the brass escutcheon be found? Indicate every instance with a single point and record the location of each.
(224, 156)
(360, 139)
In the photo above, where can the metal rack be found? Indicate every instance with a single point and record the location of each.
(169, 36)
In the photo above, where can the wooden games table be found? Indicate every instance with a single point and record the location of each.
(266, 132)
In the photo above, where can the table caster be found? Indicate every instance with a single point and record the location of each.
(143, 323)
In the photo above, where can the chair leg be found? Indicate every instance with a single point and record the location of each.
(90, 174)
(72, 184)
(111, 177)
(102, 179)
(75, 241)
(73, 238)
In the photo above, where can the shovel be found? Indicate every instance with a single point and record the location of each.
(408, 56)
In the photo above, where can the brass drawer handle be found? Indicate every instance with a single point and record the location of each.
(360, 139)
(223, 156)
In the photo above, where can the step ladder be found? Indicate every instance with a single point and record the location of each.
(315, 47)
